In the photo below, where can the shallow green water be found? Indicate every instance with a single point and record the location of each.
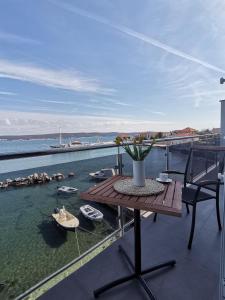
(31, 246)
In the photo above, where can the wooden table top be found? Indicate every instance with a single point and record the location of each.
(168, 202)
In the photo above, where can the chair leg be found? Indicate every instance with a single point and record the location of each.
(187, 207)
(192, 227)
(218, 213)
(155, 217)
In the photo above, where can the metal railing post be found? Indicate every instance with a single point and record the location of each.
(222, 255)
(120, 209)
(120, 220)
(167, 158)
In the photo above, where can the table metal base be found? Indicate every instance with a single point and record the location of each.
(136, 267)
(139, 277)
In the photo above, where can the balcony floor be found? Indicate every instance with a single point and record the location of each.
(195, 277)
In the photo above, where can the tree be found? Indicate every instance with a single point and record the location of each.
(159, 135)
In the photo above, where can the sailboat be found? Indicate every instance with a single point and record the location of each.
(60, 145)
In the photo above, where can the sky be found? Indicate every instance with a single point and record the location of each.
(110, 65)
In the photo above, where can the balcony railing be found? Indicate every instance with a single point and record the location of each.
(26, 210)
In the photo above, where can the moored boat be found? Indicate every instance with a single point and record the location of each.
(74, 144)
(65, 219)
(67, 190)
(71, 174)
(103, 174)
(91, 213)
(60, 145)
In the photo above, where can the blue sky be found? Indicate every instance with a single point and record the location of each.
(110, 65)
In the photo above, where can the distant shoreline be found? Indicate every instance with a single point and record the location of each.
(73, 135)
(56, 135)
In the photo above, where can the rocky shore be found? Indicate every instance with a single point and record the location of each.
(36, 178)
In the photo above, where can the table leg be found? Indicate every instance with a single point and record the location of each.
(136, 267)
(113, 284)
(137, 241)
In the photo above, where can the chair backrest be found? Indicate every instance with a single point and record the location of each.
(204, 163)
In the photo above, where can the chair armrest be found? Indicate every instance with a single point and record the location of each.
(173, 172)
(208, 182)
(203, 184)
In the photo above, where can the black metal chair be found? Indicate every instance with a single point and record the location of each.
(201, 180)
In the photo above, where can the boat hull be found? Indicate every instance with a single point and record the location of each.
(63, 227)
(97, 218)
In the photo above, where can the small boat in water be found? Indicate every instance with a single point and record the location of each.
(103, 174)
(67, 190)
(65, 219)
(74, 144)
(91, 213)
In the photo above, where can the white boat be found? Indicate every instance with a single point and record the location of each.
(103, 174)
(65, 219)
(73, 144)
(67, 190)
(60, 145)
(91, 213)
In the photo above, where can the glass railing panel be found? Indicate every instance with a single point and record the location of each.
(201, 161)
(52, 159)
(177, 159)
(210, 140)
(154, 163)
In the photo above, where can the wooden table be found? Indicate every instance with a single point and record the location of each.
(168, 202)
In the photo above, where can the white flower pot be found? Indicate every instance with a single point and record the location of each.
(138, 173)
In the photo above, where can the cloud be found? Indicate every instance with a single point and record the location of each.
(101, 107)
(6, 93)
(191, 85)
(99, 104)
(107, 100)
(56, 101)
(7, 122)
(160, 113)
(207, 93)
(137, 35)
(13, 38)
(102, 100)
(60, 79)
(34, 123)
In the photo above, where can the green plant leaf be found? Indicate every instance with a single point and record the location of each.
(135, 151)
(138, 151)
(129, 152)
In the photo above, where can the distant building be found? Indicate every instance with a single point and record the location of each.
(167, 133)
(184, 132)
(151, 134)
(124, 135)
(216, 130)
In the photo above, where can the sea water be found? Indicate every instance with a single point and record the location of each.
(21, 145)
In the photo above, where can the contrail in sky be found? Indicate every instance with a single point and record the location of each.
(137, 35)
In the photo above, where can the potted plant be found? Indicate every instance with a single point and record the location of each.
(138, 152)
